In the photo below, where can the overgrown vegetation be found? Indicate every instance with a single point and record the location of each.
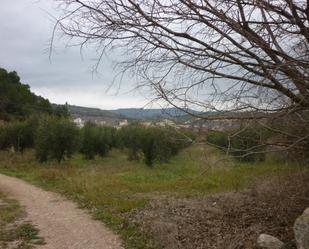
(154, 144)
(17, 102)
(112, 186)
(16, 99)
(58, 138)
(245, 144)
(95, 170)
(55, 138)
(19, 134)
(13, 230)
(97, 140)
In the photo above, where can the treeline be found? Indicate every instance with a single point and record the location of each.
(58, 138)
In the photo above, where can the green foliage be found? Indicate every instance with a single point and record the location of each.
(13, 231)
(4, 137)
(149, 146)
(16, 99)
(56, 138)
(153, 143)
(61, 110)
(294, 131)
(92, 141)
(18, 134)
(218, 138)
(112, 185)
(27, 232)
(88, 140)
(131, 138)
(246, 145)
(97, 140)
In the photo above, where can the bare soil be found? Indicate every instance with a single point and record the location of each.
(227, 220)
(61, 223)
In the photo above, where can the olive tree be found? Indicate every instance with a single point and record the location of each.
(56, 138)
(97, 140)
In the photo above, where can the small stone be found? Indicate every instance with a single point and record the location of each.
(301, 230)
(269, 242)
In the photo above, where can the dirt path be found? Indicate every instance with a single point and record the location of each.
(61, 223)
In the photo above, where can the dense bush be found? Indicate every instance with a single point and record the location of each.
(154, 144)
(130, 137)
(218, 138)
(97, 140)
(88, 141)
(16, 99)
(56, 138)
(292, 143)
(18, 134)
(246, 144)
(4, 138)
(249, 144)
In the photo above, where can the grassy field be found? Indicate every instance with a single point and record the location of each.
(112, 186)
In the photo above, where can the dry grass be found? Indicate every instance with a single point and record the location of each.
(230, 220)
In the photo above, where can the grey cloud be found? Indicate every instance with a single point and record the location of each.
(25, 33)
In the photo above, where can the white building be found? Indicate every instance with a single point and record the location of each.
(79, 122)
(166, 122)
(123, 123)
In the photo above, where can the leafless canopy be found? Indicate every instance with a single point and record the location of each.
(240, 59)
(231, 55)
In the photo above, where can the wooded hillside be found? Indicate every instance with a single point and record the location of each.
(16, 99)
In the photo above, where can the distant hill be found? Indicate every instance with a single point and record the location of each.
(95, 112)
(16, 99)
(94, 115)
(131, 114)
(146, 114)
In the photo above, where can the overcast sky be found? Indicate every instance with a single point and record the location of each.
(25, 32)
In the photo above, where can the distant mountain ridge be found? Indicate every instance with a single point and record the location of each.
(138, 113)
(127, 113)
(141, 113)
(89, 111)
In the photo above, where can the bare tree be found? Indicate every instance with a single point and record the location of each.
(243, 59)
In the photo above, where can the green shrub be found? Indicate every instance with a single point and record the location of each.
(246, 145)
(149, 145)
(56, 138)
(18, 134)
(294, 133)
(155, 144)
(97, 140)
(4, 137)
(131, 138)
(218, 138)
(89, 138)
